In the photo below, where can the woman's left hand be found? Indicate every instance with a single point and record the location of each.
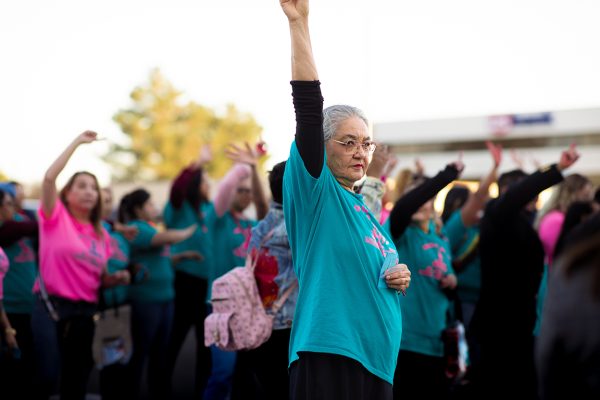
(398, 277)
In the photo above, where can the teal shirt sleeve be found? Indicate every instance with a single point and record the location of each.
(455, 230)
(146, 232)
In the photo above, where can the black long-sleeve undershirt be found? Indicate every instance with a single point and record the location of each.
(409, 203)
(308, 105)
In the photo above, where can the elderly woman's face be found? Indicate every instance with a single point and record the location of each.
(349, 163)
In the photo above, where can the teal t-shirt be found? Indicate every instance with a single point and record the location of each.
(118, 261)
(157, 286)
(469, 279)
(19, 280)
(338, 249)
(231, 240)
(201, 241)
(424, 309)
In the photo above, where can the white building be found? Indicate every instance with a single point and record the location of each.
(532, 138)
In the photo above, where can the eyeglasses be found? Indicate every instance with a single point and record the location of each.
(352, 146)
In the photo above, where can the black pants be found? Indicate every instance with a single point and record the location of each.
(63, 349)
(262, 373)
(17, 373)
(331, 376)
(190, 310)
(419, 376)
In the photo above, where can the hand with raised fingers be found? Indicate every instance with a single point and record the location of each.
(568, 157)
(458, 164)
(496, 152)
(86, 137)
(244, 155)
(380, 159)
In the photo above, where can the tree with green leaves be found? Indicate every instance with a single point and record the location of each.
(164, 133)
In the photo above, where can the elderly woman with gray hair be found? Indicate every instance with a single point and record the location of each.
(347, 325)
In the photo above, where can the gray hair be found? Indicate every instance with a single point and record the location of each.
(334, 115)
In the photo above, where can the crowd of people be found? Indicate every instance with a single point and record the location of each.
(368, 278)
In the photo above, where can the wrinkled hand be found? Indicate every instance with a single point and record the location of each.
(495, 151)
(448, 282)
(380, 159)
(294, 9)
(399, 280)
(568, 157)
(245, 155)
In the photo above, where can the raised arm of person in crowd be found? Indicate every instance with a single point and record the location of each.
(524, 191)
(250, 157)
(49, 192)
(471, 211)
(410, 202)
(227, 187)
(308, 102)
(373, 188)
(172, 236)
(182, 181)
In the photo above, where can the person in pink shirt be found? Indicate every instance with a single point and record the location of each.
(74, 250)
(575, 187)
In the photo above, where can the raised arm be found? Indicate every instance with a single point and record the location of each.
(172, 236)
(227, 187)
(373, 188)
(180, 184)
(49, 193)
(306, 91)
(521, 193)
(250, 157)
(471, 210)
(410, 202)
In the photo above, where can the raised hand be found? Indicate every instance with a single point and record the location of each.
(379, 161)
(244, 155)
(205, 155)
(294, 9)
(568, 157)
(87, 137)
(458, 164)
(496, 152)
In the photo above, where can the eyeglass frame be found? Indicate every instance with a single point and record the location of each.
(354, 148)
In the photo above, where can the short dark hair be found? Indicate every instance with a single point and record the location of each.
(510, 178)
(276, 182)
(597, 196)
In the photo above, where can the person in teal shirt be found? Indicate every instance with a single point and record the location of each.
(17, 235)
(347, 325)
(189, 204)
(151, 292)
(240, 187)
(424, 245)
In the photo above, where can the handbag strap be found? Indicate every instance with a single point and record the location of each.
(279, 303)
(46, 299)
